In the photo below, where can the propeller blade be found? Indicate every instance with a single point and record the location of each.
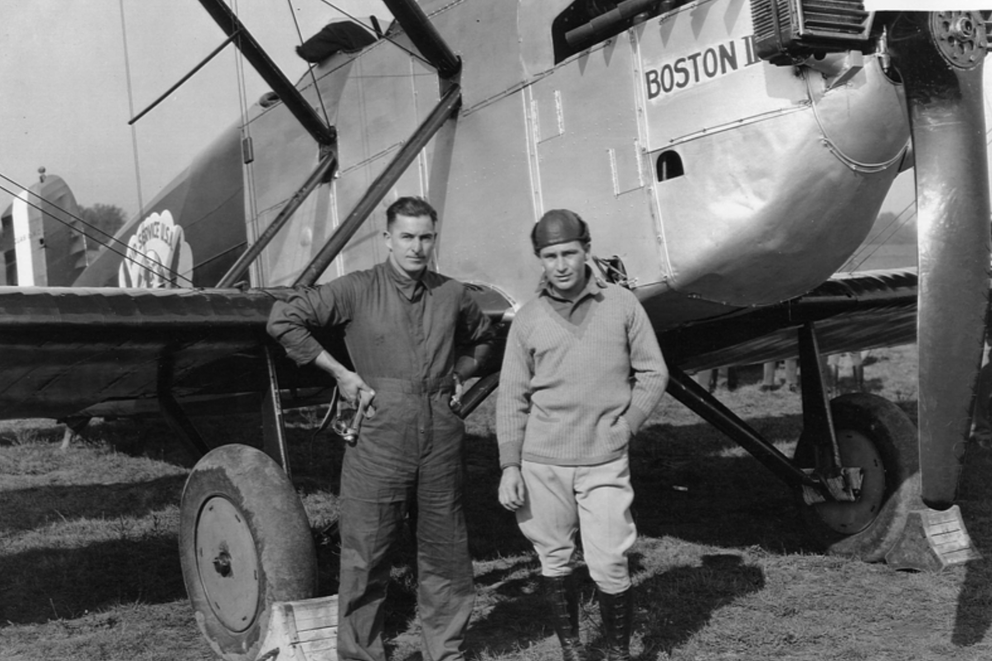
(940, 57)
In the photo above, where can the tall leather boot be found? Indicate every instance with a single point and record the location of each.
(564, 601)
(617, 611)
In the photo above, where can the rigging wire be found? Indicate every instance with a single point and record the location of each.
(130, 105)
(310, 67)
(246, 139)
(107, 245)
(895, 224)
(910, 207)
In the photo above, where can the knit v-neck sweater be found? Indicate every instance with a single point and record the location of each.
(573, 394)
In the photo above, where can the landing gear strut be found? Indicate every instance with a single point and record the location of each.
(874, 435)
(856, 471)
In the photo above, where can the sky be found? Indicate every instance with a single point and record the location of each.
(64, 84)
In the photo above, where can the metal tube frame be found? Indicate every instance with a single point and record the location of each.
(425, 37)
(173, 412)
(270, 73)
(698, 400)
(377, 191)
(180, 82)
(318, 176)
(818, 423)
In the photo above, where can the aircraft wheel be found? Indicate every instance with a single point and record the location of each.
(244, 542)
(875, 435)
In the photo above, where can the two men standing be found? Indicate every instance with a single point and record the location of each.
(581, 373)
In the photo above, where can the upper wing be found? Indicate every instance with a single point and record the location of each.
(852, 312)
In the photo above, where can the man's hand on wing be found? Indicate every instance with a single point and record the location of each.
(512, 491)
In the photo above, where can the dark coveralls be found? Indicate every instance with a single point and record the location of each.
(403, 337)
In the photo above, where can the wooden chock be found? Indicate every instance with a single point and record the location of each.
(932, 540)
(302, 631)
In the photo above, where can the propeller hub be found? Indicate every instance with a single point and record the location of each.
(960, 37)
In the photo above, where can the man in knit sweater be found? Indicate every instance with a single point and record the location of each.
(581, 372)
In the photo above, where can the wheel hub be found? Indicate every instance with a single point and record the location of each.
(227, 563)
(960, 37)
(849, 518)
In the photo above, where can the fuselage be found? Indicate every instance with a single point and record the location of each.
(716, 178)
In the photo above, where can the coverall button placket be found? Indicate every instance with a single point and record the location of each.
(426, 424)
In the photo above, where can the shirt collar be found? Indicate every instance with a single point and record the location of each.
(593, 284)
(404, 283)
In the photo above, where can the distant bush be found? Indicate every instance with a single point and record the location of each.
(106, 217)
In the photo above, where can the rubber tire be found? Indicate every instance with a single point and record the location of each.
(895, 438)
(253, 489)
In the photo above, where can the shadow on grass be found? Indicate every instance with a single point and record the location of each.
(670, 607)
(675, 605)
(689, 482)
(26, 509)
(66, 583)
(693, 483)
(520, 618)
(974, 609)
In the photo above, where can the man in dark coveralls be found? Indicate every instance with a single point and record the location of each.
(414, 336)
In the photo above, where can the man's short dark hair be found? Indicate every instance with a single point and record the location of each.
(411, 207)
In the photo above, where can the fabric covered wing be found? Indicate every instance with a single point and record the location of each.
(64, 350)
(853, 312)
(101, 351)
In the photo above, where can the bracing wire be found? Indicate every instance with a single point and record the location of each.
(130, 105)
(895, 224)
(106, 244)
(310, 68)
(909, 209)
(245, 131)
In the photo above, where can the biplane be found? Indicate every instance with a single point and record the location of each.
(729, 156)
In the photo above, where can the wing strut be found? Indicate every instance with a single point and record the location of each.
(684, 389)
(425, 37)
(383, 183)
(173, 412)
(326, 166)
(273, 430)
(270, 73)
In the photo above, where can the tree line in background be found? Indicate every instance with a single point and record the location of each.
(107, 218)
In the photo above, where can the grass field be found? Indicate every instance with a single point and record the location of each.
(89, 568)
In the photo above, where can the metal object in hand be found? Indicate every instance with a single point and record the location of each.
(348, 429)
